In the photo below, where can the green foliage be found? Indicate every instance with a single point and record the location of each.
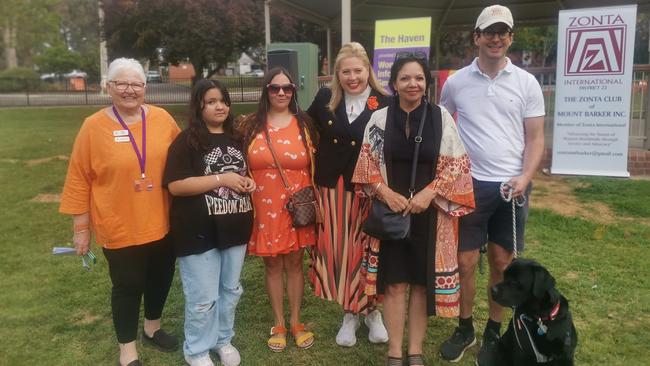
(17, 79)
(641, 38)
(29, 26)
(58, 59)
(80, 30)
(42, 31)
(207, 32)
(19, 72)
(541, 40)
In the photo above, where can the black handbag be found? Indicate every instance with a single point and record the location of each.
(303, 206)
(382, 222)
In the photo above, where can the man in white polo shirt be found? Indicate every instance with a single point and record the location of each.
(501, 122)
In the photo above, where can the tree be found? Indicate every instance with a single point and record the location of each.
(539, 39)
(79, 28)
(456, 49)
(27, 26)
(641, 39)
(208, 33)
(286, 28)
(58, 60)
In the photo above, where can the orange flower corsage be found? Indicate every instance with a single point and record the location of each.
(373, 104)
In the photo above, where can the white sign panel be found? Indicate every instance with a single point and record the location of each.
(593, 90)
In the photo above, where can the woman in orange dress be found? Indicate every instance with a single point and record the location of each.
(279, 120)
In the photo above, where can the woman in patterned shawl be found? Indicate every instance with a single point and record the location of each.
(426, 261)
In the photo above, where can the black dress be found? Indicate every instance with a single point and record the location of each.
(405, 261)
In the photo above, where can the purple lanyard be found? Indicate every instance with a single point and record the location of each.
(142, 159)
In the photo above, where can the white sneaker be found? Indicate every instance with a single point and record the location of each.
(346, 336)
(229, 355)
(204, 360)
(377, 331)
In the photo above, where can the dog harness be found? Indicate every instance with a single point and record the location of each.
(520, 326)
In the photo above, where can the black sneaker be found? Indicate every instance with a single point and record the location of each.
(487, 355)
(161, 340)
(454, 347)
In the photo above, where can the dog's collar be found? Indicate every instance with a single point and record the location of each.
(553, 314)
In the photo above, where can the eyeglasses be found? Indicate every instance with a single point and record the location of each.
(503, 34)
(123, 85)
(286, 88)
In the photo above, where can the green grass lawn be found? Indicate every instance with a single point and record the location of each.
(52, 312)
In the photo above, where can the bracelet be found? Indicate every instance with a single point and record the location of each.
(377, 186)
(80, 231)
(80, 227)
(218, 179)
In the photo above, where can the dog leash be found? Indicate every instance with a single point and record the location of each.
(505, 191)
(506, 194)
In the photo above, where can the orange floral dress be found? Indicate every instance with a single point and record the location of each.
(273, 232)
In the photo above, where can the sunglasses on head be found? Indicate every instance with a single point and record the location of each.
(286, 88)
(411, 54)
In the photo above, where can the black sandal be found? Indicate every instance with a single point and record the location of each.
(394, 361)
(415, 360)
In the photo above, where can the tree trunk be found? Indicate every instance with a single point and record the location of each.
(198, 71)
(9, 40)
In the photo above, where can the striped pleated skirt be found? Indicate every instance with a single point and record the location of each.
(344, 261)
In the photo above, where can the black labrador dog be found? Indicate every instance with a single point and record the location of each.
(541, 331)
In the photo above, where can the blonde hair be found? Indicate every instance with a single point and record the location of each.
(352, 49)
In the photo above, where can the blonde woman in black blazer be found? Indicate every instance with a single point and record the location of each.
(344, 262)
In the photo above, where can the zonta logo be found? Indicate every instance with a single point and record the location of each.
(595, 45)
(594, 20)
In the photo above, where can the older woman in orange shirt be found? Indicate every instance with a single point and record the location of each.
(114, 190)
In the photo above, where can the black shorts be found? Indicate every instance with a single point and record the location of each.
(491, 221)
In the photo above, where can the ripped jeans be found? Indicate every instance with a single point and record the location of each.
(212, 291)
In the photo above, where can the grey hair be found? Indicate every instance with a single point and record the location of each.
(123, 63)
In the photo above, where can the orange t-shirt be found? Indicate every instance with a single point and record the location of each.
(101, 176)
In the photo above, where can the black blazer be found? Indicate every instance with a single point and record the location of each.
(340, 141)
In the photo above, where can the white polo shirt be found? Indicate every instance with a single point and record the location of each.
(491, 116)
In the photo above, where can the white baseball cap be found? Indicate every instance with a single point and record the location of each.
(494, 14)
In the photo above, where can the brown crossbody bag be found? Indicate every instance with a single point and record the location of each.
(303, 206)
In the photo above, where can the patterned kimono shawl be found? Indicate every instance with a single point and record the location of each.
(454, 198)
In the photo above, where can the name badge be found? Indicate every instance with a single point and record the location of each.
(120, 133)
(122, 139)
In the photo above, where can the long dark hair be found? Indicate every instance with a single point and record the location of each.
(400, 62)
(198, 133)
(254, 123)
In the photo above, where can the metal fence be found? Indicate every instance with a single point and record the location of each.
(78, 91)
(21, 92)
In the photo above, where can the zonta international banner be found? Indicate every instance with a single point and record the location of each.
(593, 90)
(399, 35)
